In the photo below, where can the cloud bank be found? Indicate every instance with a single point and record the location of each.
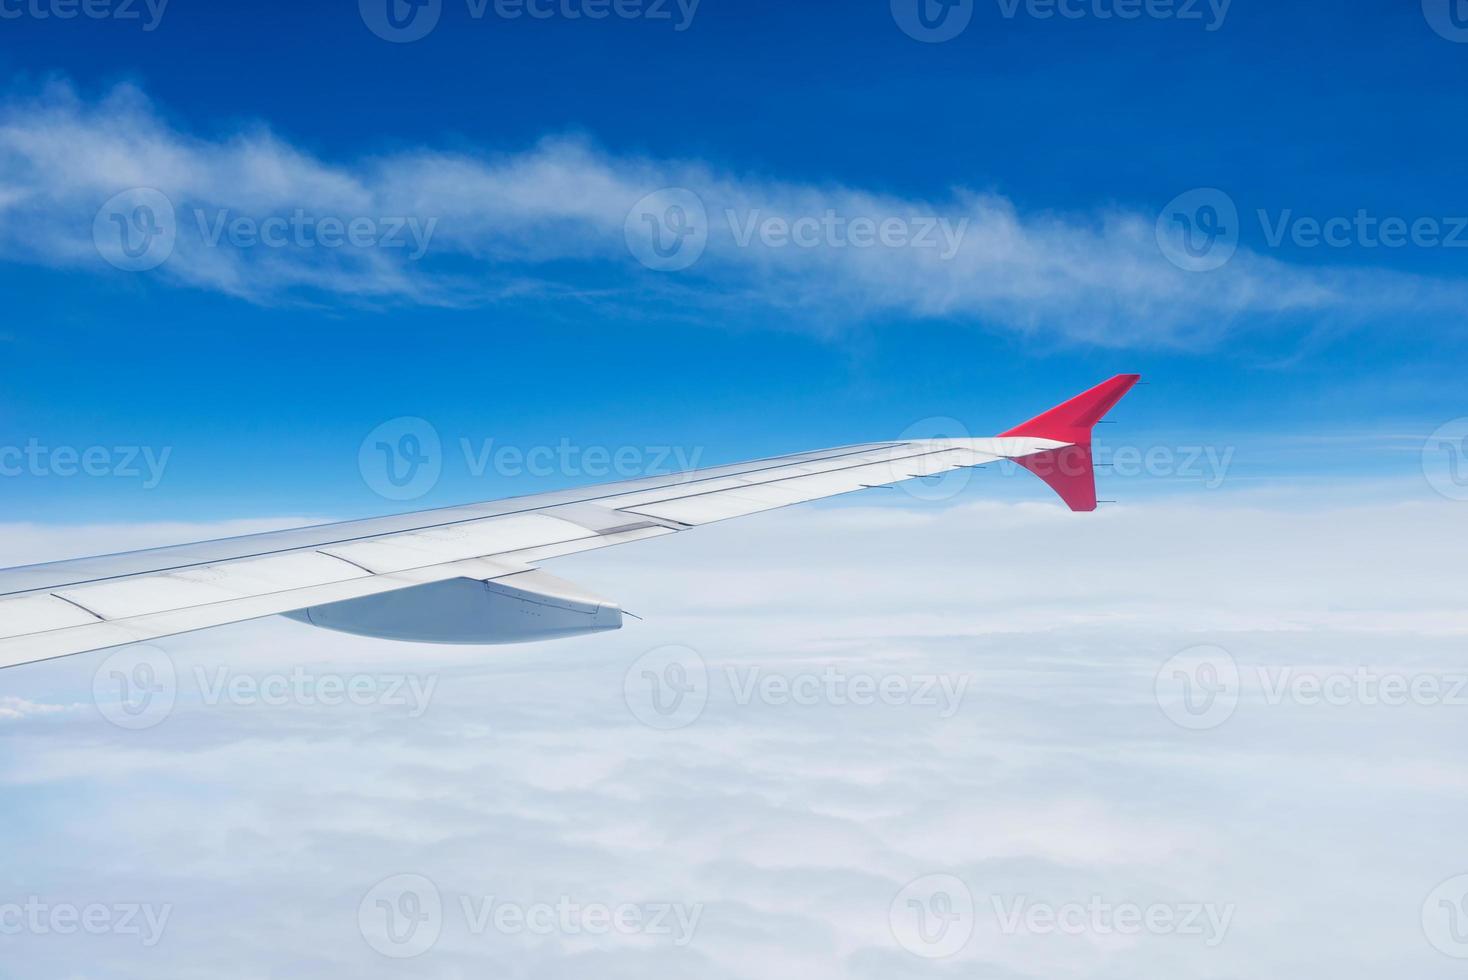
(250, 215)
(798, 828)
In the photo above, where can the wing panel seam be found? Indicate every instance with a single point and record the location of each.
(72, 602)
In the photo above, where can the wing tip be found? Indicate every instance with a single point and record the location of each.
(1070, 470)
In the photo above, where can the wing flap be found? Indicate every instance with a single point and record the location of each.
(34, 613)
(151, 626)
(456, 542)
(45, 630)
(126, 597)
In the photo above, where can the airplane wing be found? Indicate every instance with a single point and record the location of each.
(469, 574)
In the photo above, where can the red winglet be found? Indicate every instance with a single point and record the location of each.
(1069, 470)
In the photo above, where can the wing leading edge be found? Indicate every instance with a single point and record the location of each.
(377, 575)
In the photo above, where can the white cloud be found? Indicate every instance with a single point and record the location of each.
(17, 709)
(503, 225)
(795, 825)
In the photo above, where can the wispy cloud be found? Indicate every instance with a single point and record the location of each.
(19, 709)
(248, 214)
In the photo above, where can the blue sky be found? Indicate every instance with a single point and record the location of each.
(546, 330)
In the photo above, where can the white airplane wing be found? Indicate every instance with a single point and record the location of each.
(468, 574)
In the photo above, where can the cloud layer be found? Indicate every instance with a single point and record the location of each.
(248, 214)
(792, 824)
